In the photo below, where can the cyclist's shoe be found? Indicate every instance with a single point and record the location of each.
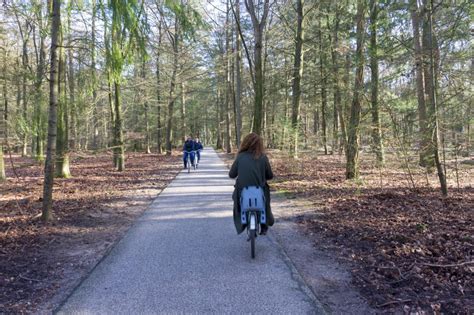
(263, 230)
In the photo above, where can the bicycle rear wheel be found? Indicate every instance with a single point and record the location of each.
(253, 234)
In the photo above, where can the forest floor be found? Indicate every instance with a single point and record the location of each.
(409, 249)
(41, 263)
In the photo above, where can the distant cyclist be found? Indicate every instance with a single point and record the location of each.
(188, 149)
(198, 147)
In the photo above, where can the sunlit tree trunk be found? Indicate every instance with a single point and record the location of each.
(53, 103)
(352, 150)
(62, 149)
(430, 46)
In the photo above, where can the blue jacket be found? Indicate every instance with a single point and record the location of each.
(189, 146)
(198, 145)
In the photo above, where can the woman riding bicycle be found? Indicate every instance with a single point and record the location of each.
(188, 149)
(251, 168)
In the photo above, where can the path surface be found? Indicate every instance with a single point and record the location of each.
(184, 256)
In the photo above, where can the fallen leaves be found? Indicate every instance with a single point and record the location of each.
(91, 210)
(412, 249)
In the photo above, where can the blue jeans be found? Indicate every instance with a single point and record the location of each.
(185, 157)
(198, 153)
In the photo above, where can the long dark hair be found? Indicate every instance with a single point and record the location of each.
(253, 143)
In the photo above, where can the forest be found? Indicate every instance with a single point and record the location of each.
(366, 108)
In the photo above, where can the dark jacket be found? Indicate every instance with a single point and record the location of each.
(198, 145)
(188, 146)
(250, 172)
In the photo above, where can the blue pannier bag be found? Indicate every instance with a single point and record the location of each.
(252, 197)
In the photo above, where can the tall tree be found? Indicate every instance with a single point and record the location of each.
(431, 49)
(126, 39)
(25, 32)
(55, 17)
(158, 92)
(95, 114)
(352, 150)
(323, 79)
(62, 133)
(228, 93)
(3, 118)
(377, 145)
(146, 107)
(175, 42)
(39, 35)
(238, 78)
(416, 17)
(335, 56)
(297, 74)
(258, 24)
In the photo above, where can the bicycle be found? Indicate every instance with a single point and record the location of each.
(252, 205)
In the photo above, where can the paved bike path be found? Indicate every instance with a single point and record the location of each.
(184, 256)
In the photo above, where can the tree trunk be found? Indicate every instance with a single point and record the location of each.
(3, 120)
(38, 121)
(24, 96)
(62, 154)
(228, 94)
(172, 88)
(183, 112)
(377, 145)
(352, 150)
(95, 136)
(431, 48)
(3, 176)
(72, 126)
(53, 103)
(286, 118)
(258, 28)
(297, 74)
(146, 108)
(420, 89)
(336, 82)
(323, 79)
(219, 145)
(158, 94)
(238, 79)
(119, 151)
